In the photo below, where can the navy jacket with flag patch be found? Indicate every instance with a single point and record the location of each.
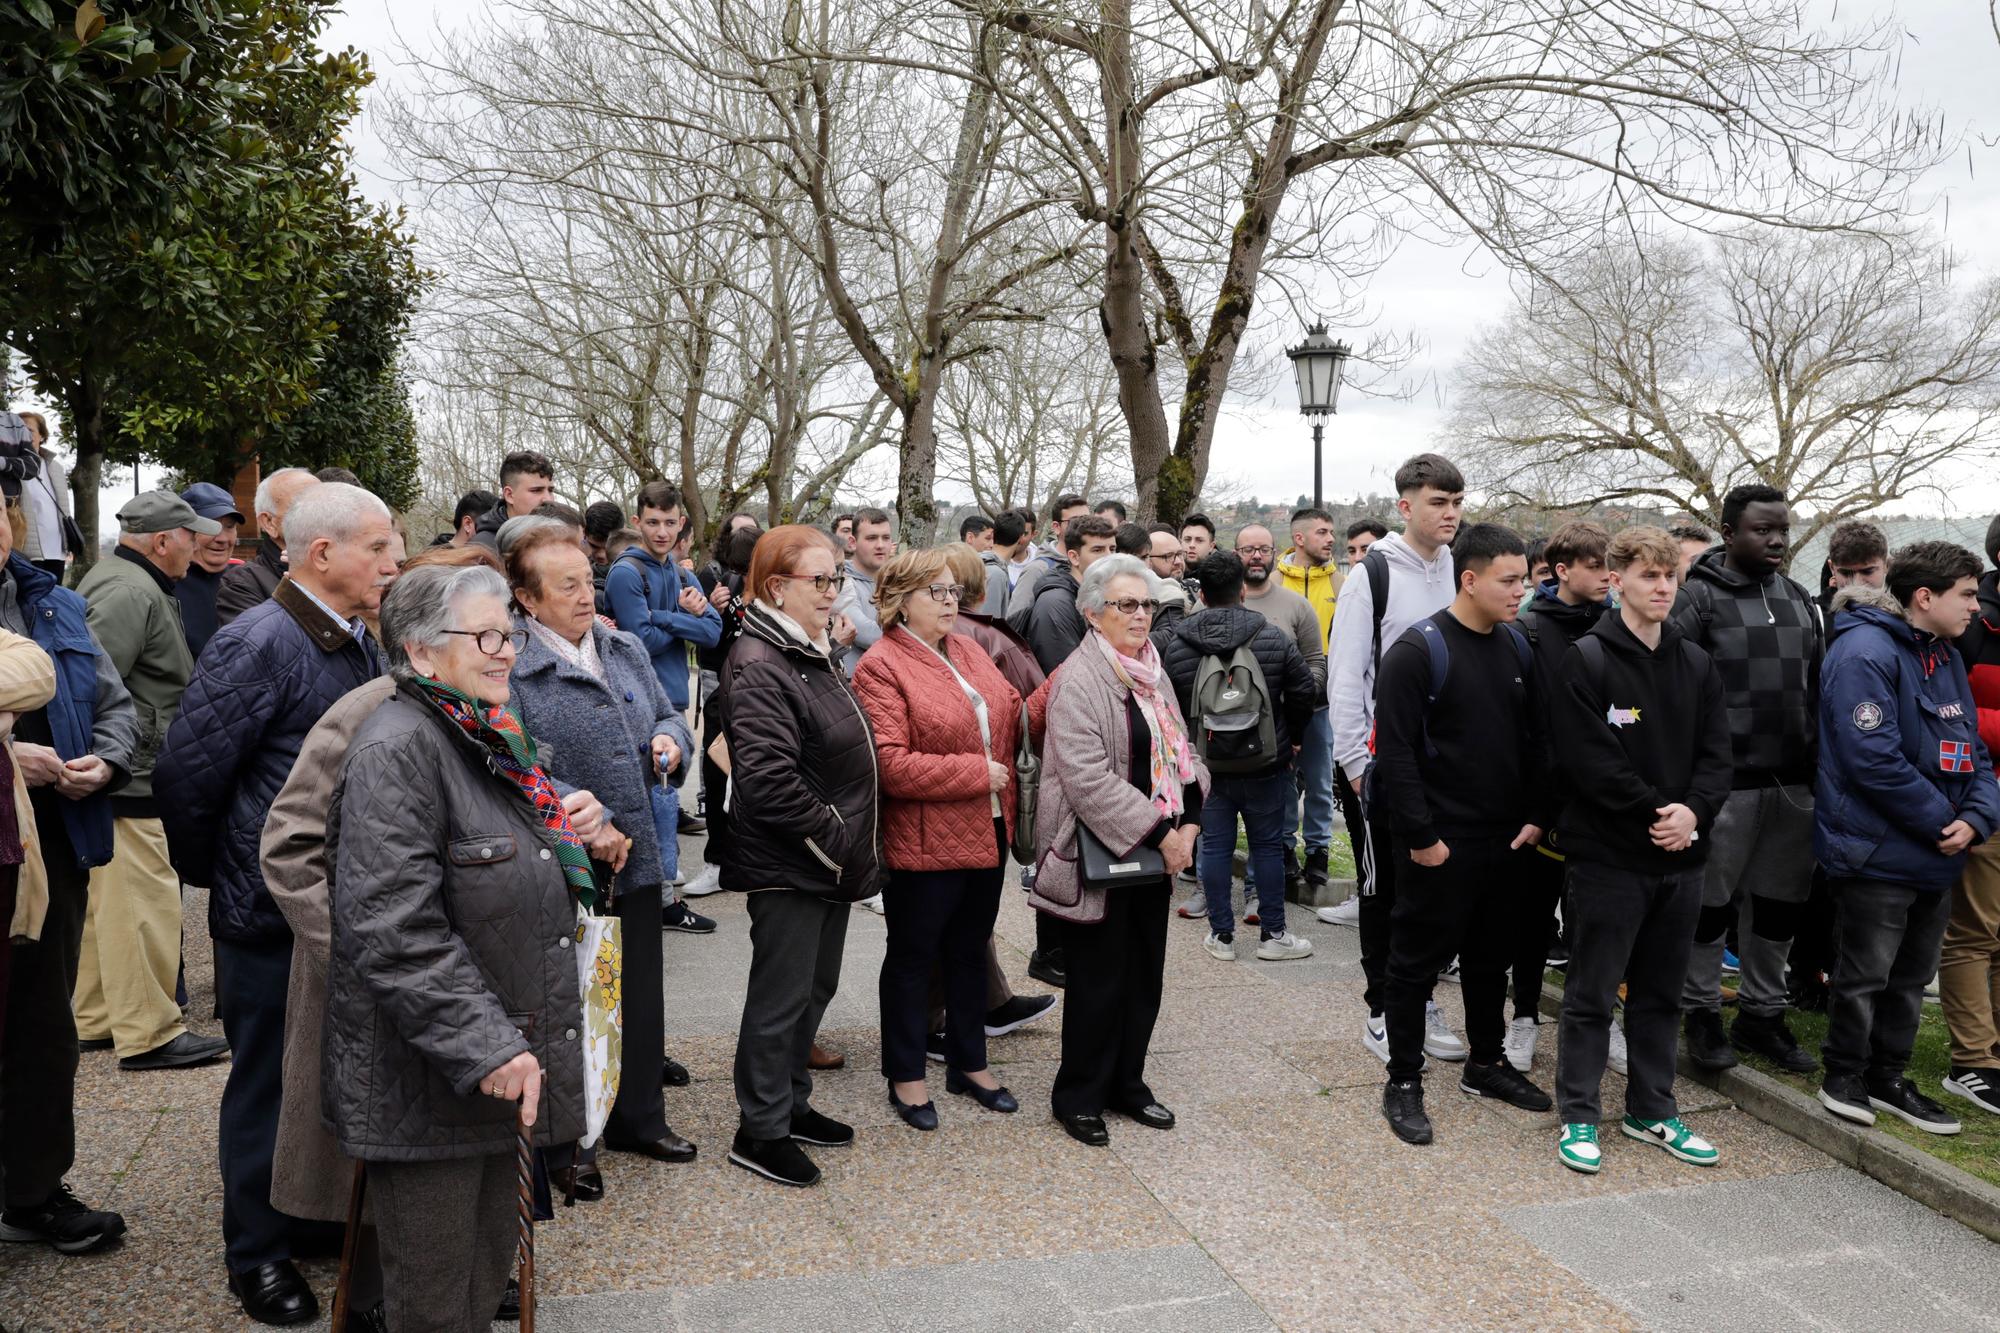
(1900, 754)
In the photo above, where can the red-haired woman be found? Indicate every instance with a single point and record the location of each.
(802, 815)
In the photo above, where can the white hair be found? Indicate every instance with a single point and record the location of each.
(330, 509)
(266, 499)
(519, 526)
(422, 608)
(1090, 593)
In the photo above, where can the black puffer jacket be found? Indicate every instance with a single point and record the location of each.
(452, 948)
(1220, 631)
(802, 784)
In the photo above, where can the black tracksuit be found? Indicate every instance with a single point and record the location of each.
(1636, 729)
(1465, 770)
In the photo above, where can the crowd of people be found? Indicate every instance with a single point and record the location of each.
(414, 787)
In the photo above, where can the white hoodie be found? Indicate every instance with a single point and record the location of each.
(1417, 590)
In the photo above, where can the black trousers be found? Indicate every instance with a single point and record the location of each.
(1638, 929)
(251, 981)
(639, 1115)
(38, 1060)
(940, 918)
(1112, 1001)
(1888, 938)
(796, 944)
(1375, 861)
(1463, 908)
(1538, 881)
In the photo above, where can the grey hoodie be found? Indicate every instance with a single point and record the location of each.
(1417, 590)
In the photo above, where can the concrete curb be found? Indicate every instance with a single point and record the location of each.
(1911, 1172)
(1336, 890)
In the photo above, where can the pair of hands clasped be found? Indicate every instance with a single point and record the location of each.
(1673, 831)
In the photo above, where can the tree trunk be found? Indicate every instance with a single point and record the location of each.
(85, 401)
(916, 502)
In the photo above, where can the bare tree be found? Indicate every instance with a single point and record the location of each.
(1849, 372)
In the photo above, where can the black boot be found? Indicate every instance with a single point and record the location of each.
(1707, 1047)
(1767, 1035)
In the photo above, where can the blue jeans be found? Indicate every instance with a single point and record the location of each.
(1314, 775)
(1261, 802)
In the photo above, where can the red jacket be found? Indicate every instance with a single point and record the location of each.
(936, 814)
(1980, 646)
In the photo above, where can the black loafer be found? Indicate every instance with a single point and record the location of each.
(670, 1147)
(275, 1294)
(923, 1117)
(1048, 968)
(510, 1304)
(1152, 1115)
(587, 1185)
(93, 1043)
(182, 1052)
(673, 1073)
(1086, 1129)
(993, 1099)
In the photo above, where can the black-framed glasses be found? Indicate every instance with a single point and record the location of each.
(1132, 606)
(821, 582)
(488, 641)
(946, 592)
(1256, 550)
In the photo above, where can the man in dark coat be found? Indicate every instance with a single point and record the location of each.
(213, 557)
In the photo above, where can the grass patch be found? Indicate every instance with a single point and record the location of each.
(1339, 855)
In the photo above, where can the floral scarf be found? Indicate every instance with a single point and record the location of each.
(1173, 761)
(499, 732)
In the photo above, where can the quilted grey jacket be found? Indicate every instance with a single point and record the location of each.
(451, 948)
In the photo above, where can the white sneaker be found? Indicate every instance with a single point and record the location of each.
(1439, 1040)
(1346, 912)
(1450, 972)
(874, 904)
(1375, 1036)
(1220, 948)
(1521, 1034)
(1281, 947)
(707, 882)
(1615, 1055)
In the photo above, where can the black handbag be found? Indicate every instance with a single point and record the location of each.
(1096, 864)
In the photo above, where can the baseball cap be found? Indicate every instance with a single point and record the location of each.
(211, 501)
(163, 511)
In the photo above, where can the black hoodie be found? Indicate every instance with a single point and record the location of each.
(1552, 625)
(1638, 729)
(1219, 631)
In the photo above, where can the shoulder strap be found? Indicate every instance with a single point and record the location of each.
(1522, 650)
(1592, 652)
(1376, 566)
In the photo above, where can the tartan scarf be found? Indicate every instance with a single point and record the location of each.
(512, 749)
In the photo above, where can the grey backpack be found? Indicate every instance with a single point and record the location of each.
(1234, 726)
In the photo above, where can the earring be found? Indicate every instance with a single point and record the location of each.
(779, 602)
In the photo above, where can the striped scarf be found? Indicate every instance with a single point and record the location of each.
(513, 753)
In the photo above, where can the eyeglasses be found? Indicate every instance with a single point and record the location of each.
(821, 582)
(1132, 606)
(488, 641)
(1256, 550)
(946, 592)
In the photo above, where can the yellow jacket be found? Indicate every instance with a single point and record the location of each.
(1320, 587)
(27, 681)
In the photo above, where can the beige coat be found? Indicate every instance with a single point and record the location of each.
(27, 682)
(309, 1176)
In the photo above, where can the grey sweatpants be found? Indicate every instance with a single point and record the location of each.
(448, 1233)
(1761, 849)
(796, 942)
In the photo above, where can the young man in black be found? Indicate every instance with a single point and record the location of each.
(1457, 764)
(1642, 744)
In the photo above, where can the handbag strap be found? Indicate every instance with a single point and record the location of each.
(1024, 747)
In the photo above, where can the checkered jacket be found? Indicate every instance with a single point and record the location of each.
(1767, 640)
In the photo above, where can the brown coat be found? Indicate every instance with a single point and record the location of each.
(309, 1176)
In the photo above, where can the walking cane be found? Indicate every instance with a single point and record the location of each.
(343, 1301)
(524, 1163)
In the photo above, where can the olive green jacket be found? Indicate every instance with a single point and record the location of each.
(137, 621)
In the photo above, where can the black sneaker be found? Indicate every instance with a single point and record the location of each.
(1847, 1097)
(1767, 1035)
(1502, 1082)
(1017, 1013)
(1981, 1087)
(677, 915)
(1047, 968)
(1900, 1098)
(673, 1074)
(1316, 870)
(62, 1222)
(1708, 1047)
(692, 823)
(809, 1126)
(774, 1159)
(1403, 1108)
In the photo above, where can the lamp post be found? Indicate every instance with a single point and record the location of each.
(1319, 363)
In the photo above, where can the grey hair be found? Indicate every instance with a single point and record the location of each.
(267, 490)
(521, 525)
(1090, 593)
(329, 509)
(422, 606)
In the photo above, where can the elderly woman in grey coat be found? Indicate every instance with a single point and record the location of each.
(590, 696)
(1124, 767)
(452, 1006)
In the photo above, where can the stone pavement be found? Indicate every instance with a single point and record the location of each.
(1280, 1201)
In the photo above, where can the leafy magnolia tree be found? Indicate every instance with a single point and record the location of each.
(1850, 372)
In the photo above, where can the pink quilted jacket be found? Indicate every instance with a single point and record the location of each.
(935, 811)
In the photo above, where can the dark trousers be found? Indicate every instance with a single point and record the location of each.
(251, 980)
(1375, 857)
(1638, 929)
(1538, 881)
(936, 918)
(998, 992)
(796, 943)
(1463, 908)
(448, 1233)
(1887, 938)
(1812, 948)
(1112, 1001)
(639, 1115)
(38, 1060)
(1262, 802)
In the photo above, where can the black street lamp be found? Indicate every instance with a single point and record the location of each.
(1320, 363)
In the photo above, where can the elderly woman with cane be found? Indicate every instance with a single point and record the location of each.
(453, 1018)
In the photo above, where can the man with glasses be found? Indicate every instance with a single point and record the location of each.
(1294, 615)
(1179, 595)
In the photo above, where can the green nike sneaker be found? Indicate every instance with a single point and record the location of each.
(1676, 1138)
(1578, 1148)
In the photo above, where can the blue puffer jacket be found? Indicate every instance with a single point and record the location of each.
(1900, 754)
(645, 599)
(261, 684)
